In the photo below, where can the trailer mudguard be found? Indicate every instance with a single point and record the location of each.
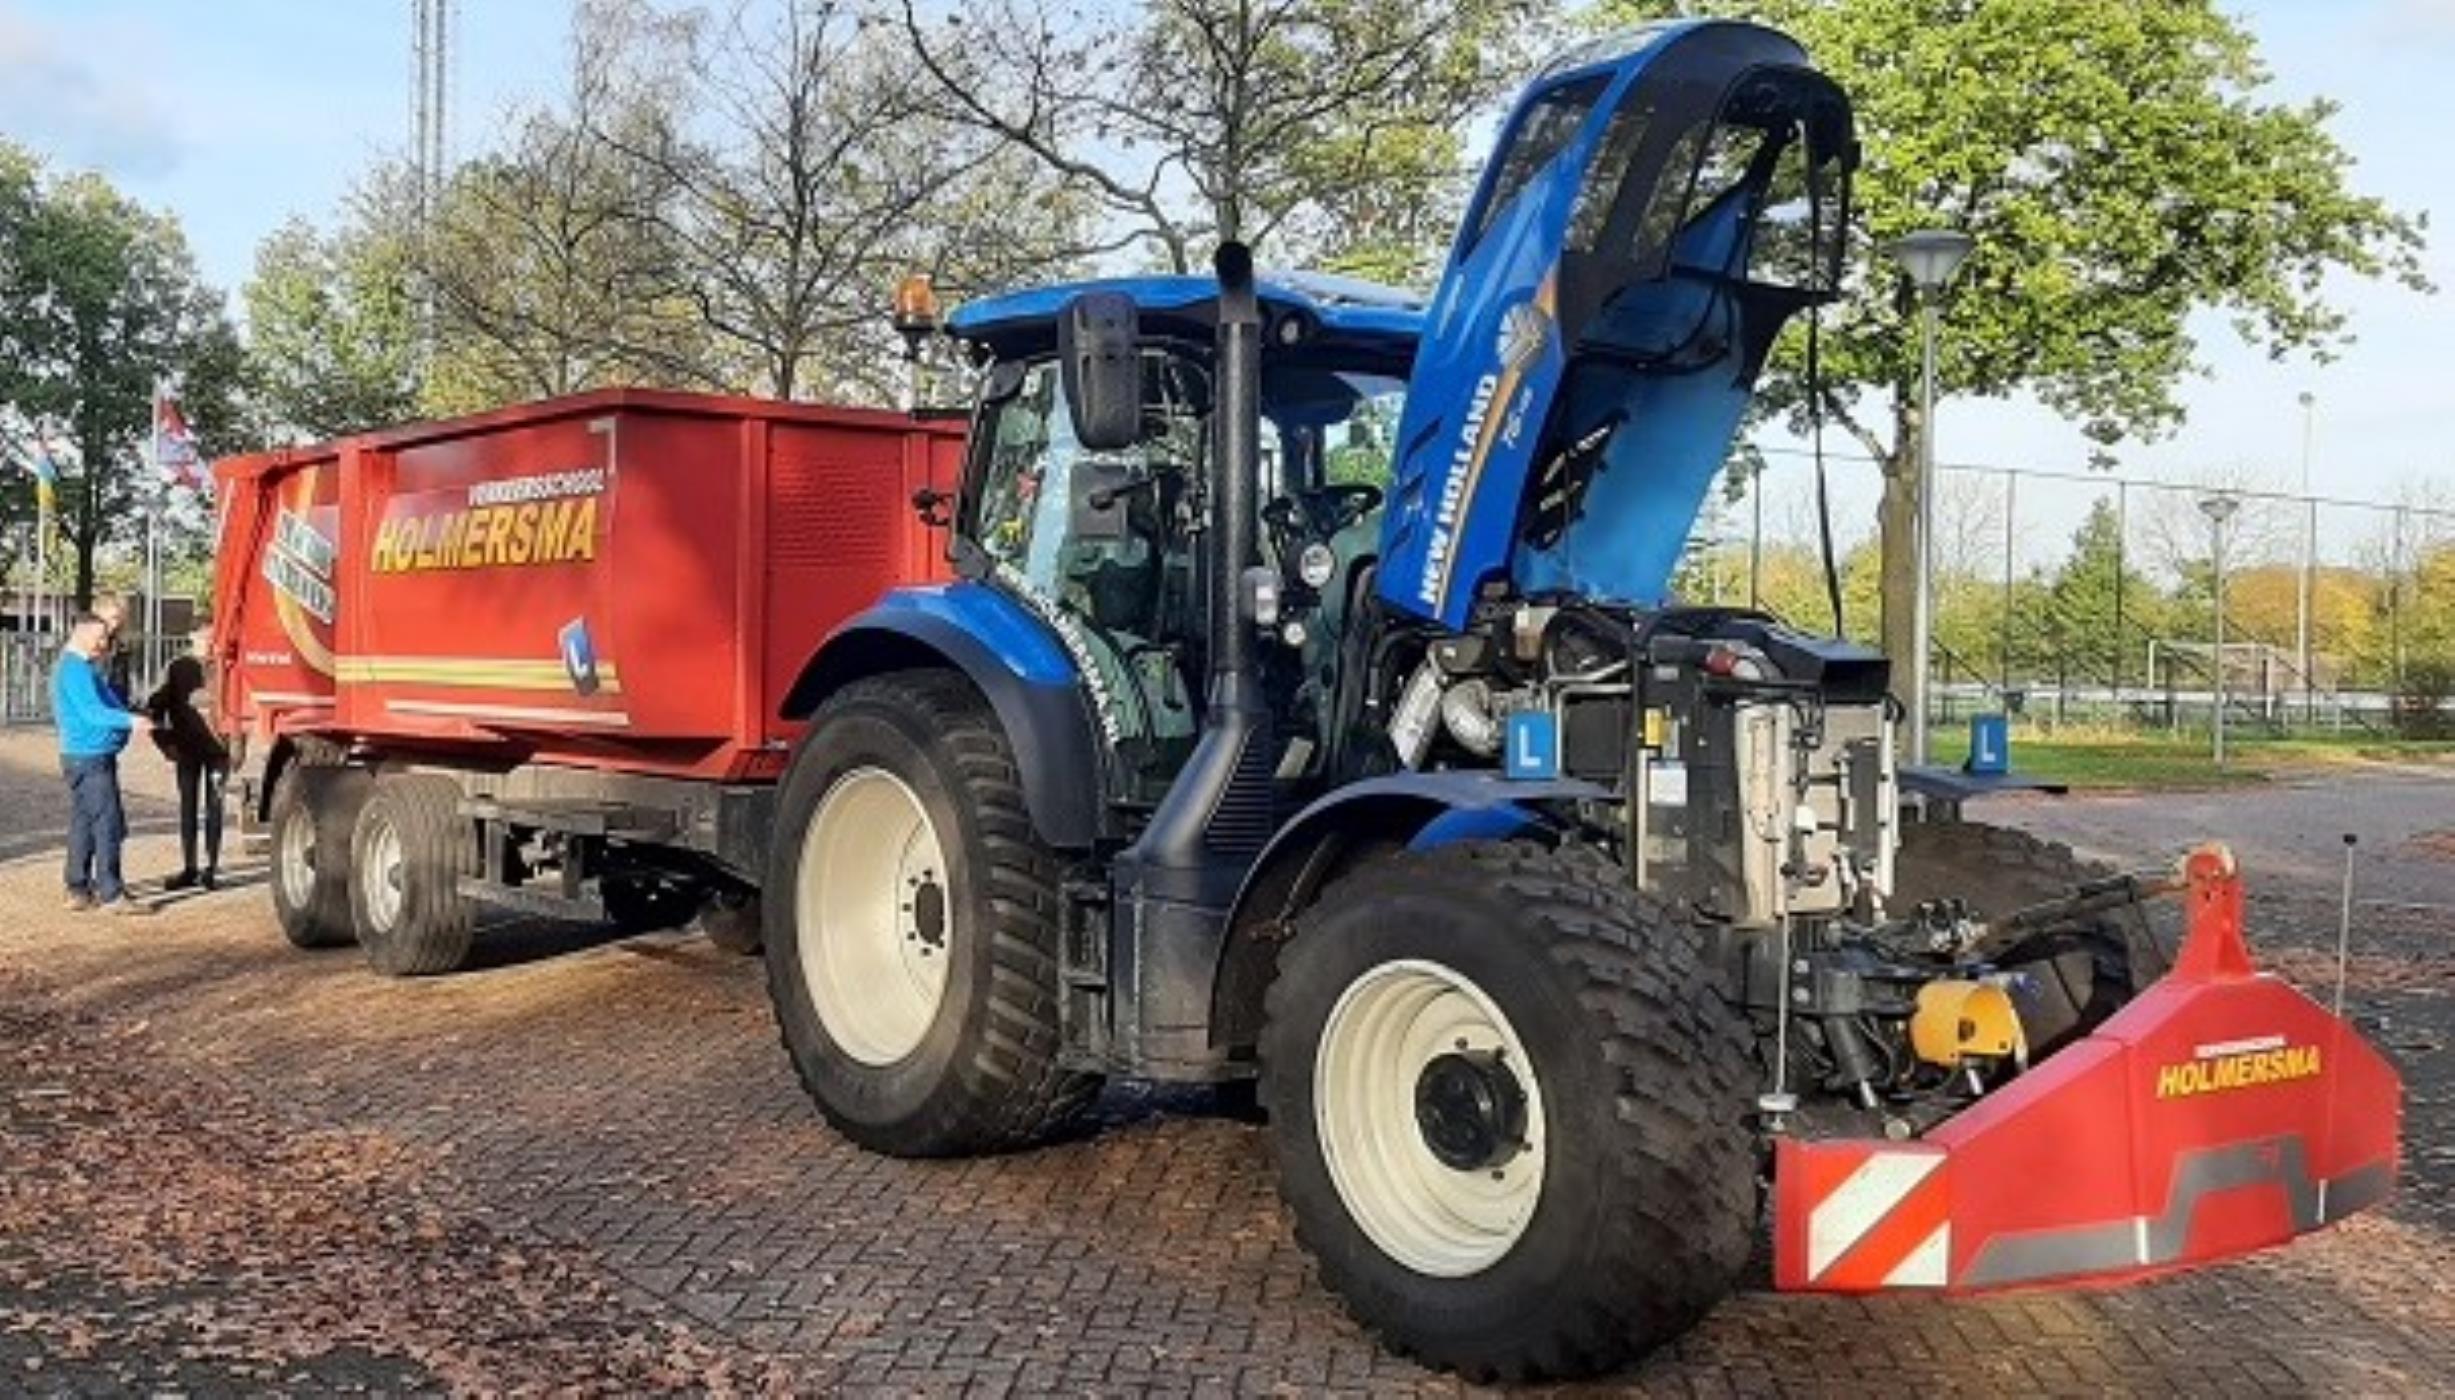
(1014, 661)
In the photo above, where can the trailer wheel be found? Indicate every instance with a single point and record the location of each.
(911, 928)
(1509, 1107)
(314, 810)
(2074, 979)
(406, 858)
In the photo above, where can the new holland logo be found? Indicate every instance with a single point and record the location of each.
(1522, 333)
(2237, 1064)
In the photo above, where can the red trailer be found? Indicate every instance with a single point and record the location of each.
(547, 638)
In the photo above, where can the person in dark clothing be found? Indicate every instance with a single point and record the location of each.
(201, 760)
(94, 725)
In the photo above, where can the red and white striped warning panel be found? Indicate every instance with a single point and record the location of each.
(1873, 1215)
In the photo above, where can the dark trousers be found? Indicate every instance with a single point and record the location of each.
(96, 825)
(201, 781)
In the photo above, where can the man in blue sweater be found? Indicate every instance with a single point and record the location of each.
(94, 724)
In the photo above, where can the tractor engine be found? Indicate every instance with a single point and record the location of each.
(1745, 773)
(1751, 765)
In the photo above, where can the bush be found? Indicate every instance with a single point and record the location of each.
(2420, 706)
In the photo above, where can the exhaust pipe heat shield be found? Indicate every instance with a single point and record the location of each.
(2218, 1113)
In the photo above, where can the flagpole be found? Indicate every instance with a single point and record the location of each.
(153, 527)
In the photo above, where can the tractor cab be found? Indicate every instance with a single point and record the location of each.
(1103, 544)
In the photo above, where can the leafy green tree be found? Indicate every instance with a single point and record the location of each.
(1320, 131)
(2120, 166)
(333, 327)
(2098, 604)
(100, 300)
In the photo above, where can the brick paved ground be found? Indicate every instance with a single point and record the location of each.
(224, 1163)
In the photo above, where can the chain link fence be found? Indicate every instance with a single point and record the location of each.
(26, 660)
(2085, 597)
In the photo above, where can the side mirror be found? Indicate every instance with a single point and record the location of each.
(1100, 364)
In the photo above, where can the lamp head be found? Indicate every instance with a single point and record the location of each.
(1931, 256)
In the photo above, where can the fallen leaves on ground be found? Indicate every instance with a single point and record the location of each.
(156, 1224)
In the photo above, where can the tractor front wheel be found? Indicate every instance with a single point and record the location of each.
(1509, 1106)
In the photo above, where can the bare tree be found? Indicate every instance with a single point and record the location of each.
(801, 173)
(1319, 127)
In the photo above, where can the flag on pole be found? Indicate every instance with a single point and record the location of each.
(174, 444)
(46, 472)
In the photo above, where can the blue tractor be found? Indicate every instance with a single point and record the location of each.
(1310, 708)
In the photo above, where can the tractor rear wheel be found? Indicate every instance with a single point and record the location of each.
(2070, 980)
(411, 847)
(315, 807)
(911, 934)
(1509, 1107)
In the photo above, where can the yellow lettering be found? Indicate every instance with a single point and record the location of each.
(523, 533)
(584, 531)
(553, 525)
(2169, 1081)
(380, 561)
(498, 536)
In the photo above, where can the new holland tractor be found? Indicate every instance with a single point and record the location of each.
(1310, 708)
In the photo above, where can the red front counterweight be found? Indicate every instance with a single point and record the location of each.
(2220, 1112)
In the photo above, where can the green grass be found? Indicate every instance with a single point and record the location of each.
(2111, 758)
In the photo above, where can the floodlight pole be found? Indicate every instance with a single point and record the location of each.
(2310, 559)
(2219, 509)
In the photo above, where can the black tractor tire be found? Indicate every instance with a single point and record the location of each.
(985, 1074)
(430, 927)
(1646, 1212)
(2071, 980)
(733, 923)
(647, 905)
(314, 810)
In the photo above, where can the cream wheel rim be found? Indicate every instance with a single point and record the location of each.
(872, 917)
(296, 865)
(1444, 1190)
(383, 875)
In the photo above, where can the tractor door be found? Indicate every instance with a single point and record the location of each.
(1094, 543)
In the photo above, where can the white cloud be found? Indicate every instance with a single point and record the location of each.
(82, 101)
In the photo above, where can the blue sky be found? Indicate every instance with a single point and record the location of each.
(236, 114)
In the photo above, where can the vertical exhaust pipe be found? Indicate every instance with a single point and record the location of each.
(1235, 483)
(1174, 885)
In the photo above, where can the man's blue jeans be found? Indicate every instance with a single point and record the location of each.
(96, 825)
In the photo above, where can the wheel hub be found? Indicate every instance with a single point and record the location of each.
(1429, 1113)
(1470, 1109)
(928, 911)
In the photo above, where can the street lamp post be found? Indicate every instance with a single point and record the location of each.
(1930, 257)
(2219, 509)
(2310, 560)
